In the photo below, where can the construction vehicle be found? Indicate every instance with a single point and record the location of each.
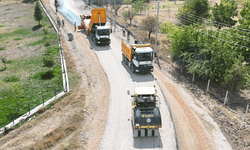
(95, 27)
(139, 57)
(146, 116)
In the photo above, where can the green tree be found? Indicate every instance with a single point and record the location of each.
(149, 24)
(224, 12)
(140, 6)
(48, 60)
(207, 56)
(129, 14)
(38, 13)
(16, 92)
(126, 2)
(199, 8)
(244, 21)
(245, 16)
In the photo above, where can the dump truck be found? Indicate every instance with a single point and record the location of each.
(146, 116)
(139, 57)
(95, 26)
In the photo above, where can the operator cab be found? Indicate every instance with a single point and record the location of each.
(145, 100)
(145, 96)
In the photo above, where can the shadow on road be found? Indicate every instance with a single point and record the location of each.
(148, 142)
(92, 43)
(137, 77)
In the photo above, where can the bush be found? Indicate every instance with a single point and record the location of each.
(45, 31)
(41, 110)
(11, 79)
(47, 44)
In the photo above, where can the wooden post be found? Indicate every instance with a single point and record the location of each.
(193, 78)
(208, 85)
(225, 100)
(245, 117)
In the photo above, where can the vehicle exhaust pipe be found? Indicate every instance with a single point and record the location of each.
(99, 19)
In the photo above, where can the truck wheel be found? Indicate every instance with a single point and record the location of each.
(135, 134)
(132, 68)
(95, 42)
(126, 61)
(123, 58)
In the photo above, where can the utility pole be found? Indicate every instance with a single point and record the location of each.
(156, 31)
(115, 16)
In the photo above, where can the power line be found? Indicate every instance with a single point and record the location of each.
(225, 33)
(215, 36)
(216, 23)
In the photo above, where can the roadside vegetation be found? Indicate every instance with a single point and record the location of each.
(28, 80)
(212, 46)
(209, 41)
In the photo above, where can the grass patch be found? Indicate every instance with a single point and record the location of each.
(2, 25)
(36, 83)
(45, 39)
(11, 79)
(8, 9)
(2, 48)
(24, 31)
(17, 17)
(30, 33)
(35, 87)
(17, 39)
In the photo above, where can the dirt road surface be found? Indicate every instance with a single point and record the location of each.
(105, 81)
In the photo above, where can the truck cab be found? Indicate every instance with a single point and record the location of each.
(142, 58)
(102, 35)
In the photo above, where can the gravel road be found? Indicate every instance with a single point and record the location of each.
(195, 129)
(100, 108)
(118, 130)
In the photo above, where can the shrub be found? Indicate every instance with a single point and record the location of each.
(45, 31)
(47, 44)
(41, 110)
(11, 79)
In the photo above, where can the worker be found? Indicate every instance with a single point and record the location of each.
(123, 31)
(62, 23)
(75, 26)
(58, 21)
(128, 33)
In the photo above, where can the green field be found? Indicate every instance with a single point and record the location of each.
(26, 82)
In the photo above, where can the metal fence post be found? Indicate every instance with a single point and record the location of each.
(208, 85)
(245, 117)
(225, 100)
(43, 100)
(29, 107)
(55, 93)
(12, 117)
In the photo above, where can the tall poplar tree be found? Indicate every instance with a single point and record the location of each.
(38, 13)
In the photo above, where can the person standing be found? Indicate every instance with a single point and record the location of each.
(62, 23)
(75, 26)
